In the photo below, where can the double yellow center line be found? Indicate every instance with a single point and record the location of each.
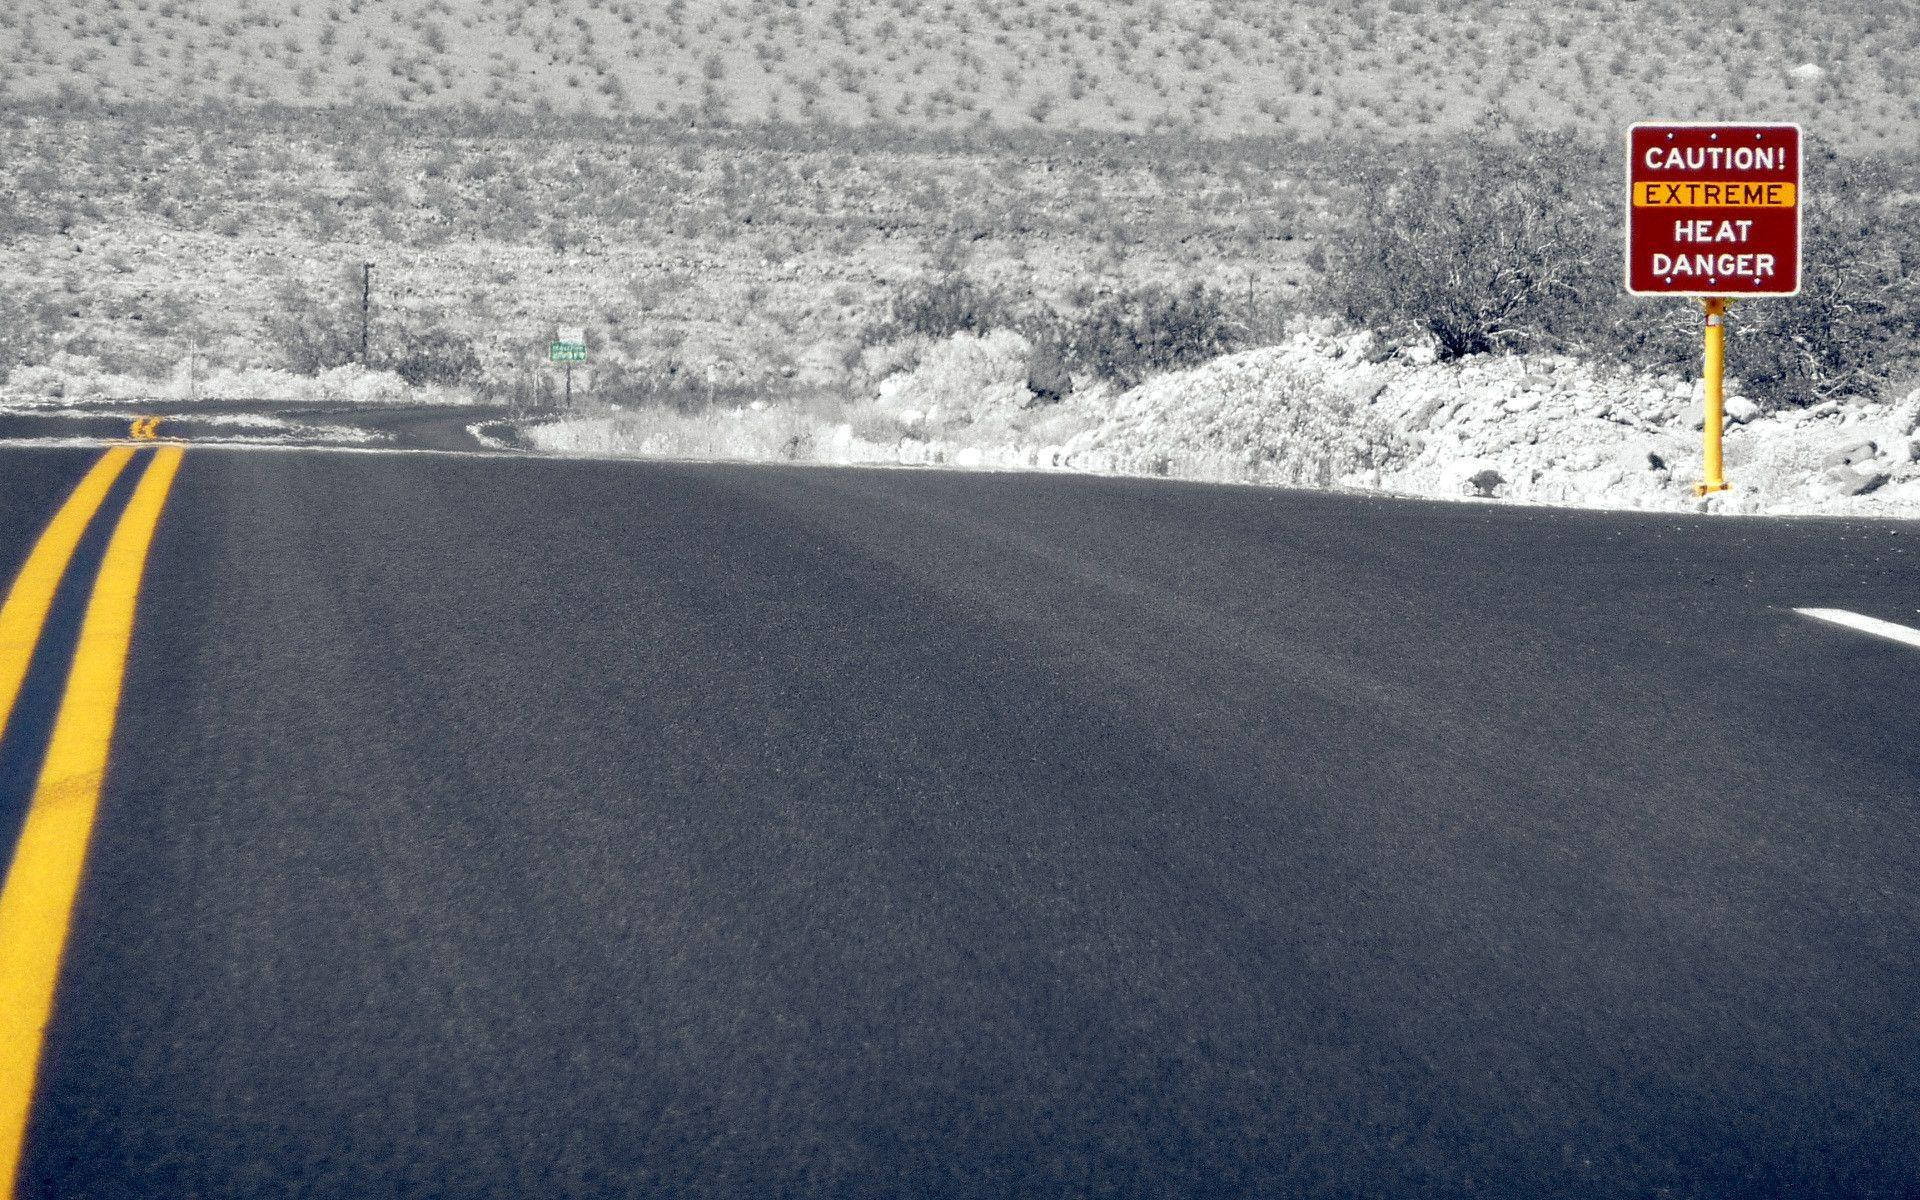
(36, 902)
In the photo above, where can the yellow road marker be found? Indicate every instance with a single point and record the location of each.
(25, 613)
(36, 904)
(146, 428)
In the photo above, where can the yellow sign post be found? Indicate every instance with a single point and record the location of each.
(1715, 365)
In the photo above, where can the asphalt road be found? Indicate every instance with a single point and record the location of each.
(502, 827)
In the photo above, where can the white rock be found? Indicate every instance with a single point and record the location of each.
(1906, 414)
(1741, 410)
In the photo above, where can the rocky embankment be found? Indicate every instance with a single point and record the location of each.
(1325, 409)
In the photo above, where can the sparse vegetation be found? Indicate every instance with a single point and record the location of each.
(833, 175)
(316, 332)
(1315, 66)
(1491, 249)
(1121, 337)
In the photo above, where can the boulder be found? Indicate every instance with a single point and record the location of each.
(1421, 353)
(1850, 454)
(1906, 414)
(1423, 412)
(1845, 481)
(1741, 410)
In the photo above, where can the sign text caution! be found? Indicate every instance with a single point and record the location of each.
(1713, 210)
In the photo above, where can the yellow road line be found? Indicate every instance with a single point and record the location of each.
(36, 904)
(25, 613)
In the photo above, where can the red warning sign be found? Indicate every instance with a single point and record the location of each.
(1713, 210)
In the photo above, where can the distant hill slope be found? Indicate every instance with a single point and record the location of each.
(1846, 68)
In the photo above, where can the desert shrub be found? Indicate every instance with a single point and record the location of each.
(1486, 482)
(1853, 329)
(665, 383)
(318, 329)
(1497, 248)
(1048, 379)
(942, 306)
(425, 351)
(1855, 326)
(1484, 247)
(314, 330)
(1123, 337)
(1127, 336)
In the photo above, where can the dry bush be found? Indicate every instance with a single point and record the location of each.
(1492, 249)
(1122, 336)
(1855, 326)
(1483, 247)
(1136, 332)
(943, 305)
(319, 329)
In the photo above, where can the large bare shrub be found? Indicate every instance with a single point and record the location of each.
(1855, 326)
(1500, 248)
(318, 329)
(1485, 247)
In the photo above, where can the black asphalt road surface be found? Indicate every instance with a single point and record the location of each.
(521, 828)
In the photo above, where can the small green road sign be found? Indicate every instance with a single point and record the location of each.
(567, 352)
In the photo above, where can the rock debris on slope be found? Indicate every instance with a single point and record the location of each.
(1331, 409)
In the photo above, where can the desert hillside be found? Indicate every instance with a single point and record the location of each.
(1370, 68)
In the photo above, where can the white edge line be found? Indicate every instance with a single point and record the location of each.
(1873, 625)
